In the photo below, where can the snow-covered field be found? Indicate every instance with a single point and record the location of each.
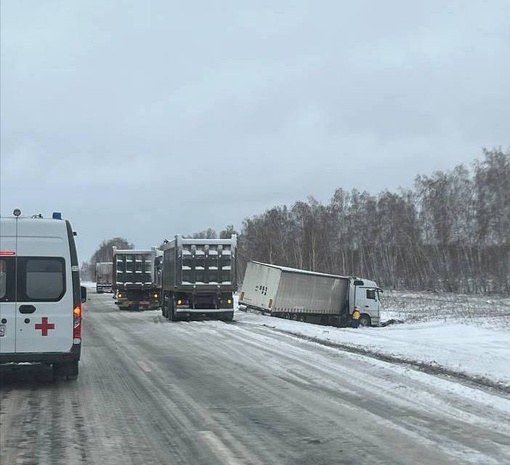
(452, 335)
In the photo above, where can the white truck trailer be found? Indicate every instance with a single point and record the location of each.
(309, 296)
(104, 277)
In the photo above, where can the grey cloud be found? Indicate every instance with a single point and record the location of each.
(199, 114)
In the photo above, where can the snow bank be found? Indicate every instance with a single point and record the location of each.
(462, 334)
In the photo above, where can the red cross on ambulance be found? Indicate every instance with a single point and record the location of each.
(44, 326)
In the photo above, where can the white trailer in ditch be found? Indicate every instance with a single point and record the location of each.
(309, 296)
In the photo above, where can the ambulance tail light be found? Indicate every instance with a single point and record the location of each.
(77, 324)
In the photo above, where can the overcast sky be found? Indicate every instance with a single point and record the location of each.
(146, 119)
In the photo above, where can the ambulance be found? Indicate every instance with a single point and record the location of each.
(40, 293)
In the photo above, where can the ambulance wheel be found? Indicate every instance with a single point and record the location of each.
(65, 370)
(365, 320)
(72, 371)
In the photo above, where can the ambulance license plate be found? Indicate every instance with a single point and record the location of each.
(2, 330)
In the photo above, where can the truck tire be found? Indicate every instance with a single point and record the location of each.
(365, 320)
(173, 316)
(228, 317)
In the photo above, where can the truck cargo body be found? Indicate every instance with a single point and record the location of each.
(199, 278)
(104, 277)
(137, 278)
(309, 296)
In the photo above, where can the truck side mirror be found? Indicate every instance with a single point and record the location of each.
(83, 291)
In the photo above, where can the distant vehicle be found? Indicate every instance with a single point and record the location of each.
(137, 278)
(104, 277)
(309, 296)
(199, 278)
(40, 293)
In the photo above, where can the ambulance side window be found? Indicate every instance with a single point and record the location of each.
(42, 279)
(3, 279)
(7, 280)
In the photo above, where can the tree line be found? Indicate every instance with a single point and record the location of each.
(449, 232)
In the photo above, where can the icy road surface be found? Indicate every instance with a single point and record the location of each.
(211, 393)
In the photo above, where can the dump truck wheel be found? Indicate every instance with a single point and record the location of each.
(173, 317)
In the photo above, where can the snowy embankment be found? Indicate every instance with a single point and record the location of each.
(464, 336)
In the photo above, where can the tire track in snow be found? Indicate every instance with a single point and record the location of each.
(429, 368)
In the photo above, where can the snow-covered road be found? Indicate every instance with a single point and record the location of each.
(206, 392)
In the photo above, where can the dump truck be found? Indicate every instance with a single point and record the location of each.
(104, 277)
(199, 278)
(309, 296)
(137, 278)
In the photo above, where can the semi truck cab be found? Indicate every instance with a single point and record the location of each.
(365, 294)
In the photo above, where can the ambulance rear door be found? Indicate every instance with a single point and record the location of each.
(44, 304)
(7, 286)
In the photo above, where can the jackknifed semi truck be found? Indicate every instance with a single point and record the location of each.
(309, 296)
(199, 278)
(137, 278)
(104, 277)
